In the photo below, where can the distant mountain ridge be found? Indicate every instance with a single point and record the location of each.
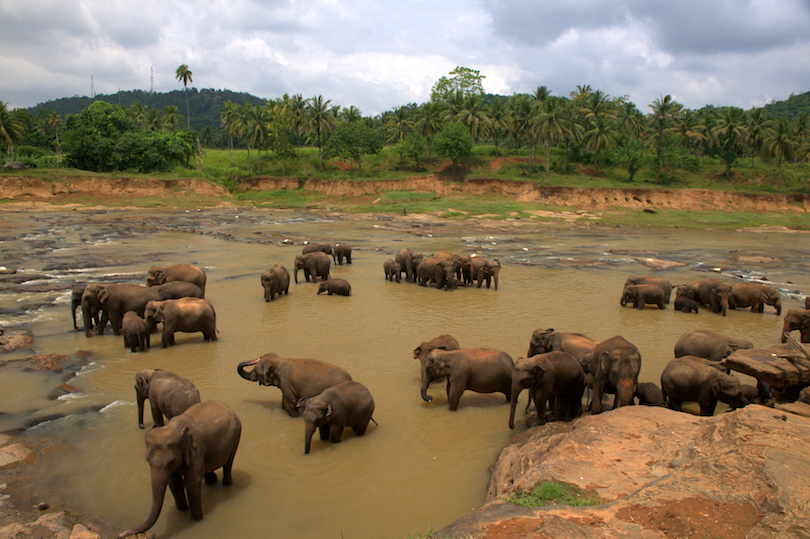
(794, 106)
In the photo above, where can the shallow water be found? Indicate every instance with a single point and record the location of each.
(423, 466)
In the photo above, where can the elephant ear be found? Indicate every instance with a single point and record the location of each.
(189, 445)
(142, 386)
(328, 412)
(717, 386)
(417, 351)
(301, 404)
(537, 372)
(102, 294)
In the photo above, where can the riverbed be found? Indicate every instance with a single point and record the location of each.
(422, 466)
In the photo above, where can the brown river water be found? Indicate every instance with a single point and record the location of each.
(423, 466)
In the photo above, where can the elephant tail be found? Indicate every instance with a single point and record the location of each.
(374, 421)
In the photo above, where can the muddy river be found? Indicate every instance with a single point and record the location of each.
(422, 466)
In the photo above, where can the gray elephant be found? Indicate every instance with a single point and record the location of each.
(114, 300)
(275, 280)
(553, 376)
(317, 247)
(441, 272)
(797, 319)
(76, 302)
(297, 378)
(713, 293)
(484, 270)
(169, 394)
(136, 334)
(548, 340)
(462, 265)
(316, 264)
(409, 261)
(693, 379)
(190, 447)
(643, 294)
(662, 283)
(756, 296)
(179, 272)
(187, 315)
(709, 345)
(649, 394)
(615, 364)
(482, 370)
(393, 270)
(348, 404)
(177, 290)
(442, 342)
(686, 305)
(338, 287)
(341, 252)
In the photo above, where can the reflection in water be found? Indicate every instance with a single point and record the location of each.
(423, 465)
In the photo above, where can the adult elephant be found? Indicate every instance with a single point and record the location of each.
(179, 272)
(693, 379)
(462, 265)
(713, 293)
(341, 252)
(187, 315)
(709, 345)
(662, 283)
(555, 376)
(297, 378)
(548, 340)
(169, 394)
(317, 247)
(114, 300)
(756, 296)
(316, 264)
(440, 271)
(190, 447)
(409, 261)
(643, 294)
(615, 364)
(348, 404)
(275, 280)
(485, 270)
(76, 302)
(797, 319)
(178, 289)
(442, 342)
(340, 287)
(482, 370)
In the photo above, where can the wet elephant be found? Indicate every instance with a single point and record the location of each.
(615, 364)
(662, 283)
(555, 376)
(713, 293)
(442, 342)
(348, 404)
(643, 294)
(341, 252)
(393, 270)
(297, 378)
(335, 287)
(756, 296)
(482, 370)
(316, 264)
(179, 272)
(649, 394)
(797, 319)
(169, 394)
(409, 261)
(462, 265)
(76, 302)
(190, 447)
(485, 270)
(275, 280)
(693, 379)
(114, 300)
(135, 331)
(709, 345)
(187, 315)
(177, 290)
(686, 305)
(548, 340)
(317, 247)
(436, 270)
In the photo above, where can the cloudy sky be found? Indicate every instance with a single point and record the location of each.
(377, 55)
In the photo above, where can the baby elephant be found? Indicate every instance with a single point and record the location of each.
(686, 305)
(393, 270)
(340, 287)
(348, 404)
(136, 335)
(649, 394)
(643, 294)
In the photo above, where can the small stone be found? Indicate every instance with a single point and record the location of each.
(43, 506)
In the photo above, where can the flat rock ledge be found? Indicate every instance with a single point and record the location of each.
(660, 473)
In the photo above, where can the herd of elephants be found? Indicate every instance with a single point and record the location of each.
(196, 438)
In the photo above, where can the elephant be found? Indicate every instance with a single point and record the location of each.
(548, 340)
(347, 404)
(339, 287)
(436, 270)
(187, 315)
(179, 272)
(709, 345)
(686, 305)
(393, 270)
(190, 447)
(485, 270)
(483, 370)
(442, 342)
(341, 251)
(462, 265)
(692, 379)
(797, 319)
(756, 296)
(315, 264)
(761, 391)
(317, 247)
(114, 300)
(296, 378)
(275, 280)
(169, 394)
(649, 394)
(409, 261)
(643, 294)
(615, 364)
(665, 285)
(714, 293)
(76, 302)
(555, 376)
(136, 334)
(177, 290)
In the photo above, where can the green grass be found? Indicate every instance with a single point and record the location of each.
(554, 492)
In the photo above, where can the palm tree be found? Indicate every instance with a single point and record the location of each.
(351, 114)
(257, 130)
(473, 115)
(664, 111)
(551, 124)
(428, 122)
(11, 130)
(758, 124)
(599, 136)
(46, 121)
(688, 126)
(630, 119)
(227, 118)
(243, 116)
(183, 74)
(779, 143)
(497, 117)
(399, 120)
(154, 120)
(171, 116)
(139, 112)
(731, 132)
(318, 120)
(541, 94)
(517, 121)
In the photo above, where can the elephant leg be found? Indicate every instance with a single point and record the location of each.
(454, 396)
(540, 400)
(194, 489)
(157, 415)
(210, 478)
(360, 428)
(227, 477)
(178, 489)
(708, 405)
(337, 431)
(323, 431)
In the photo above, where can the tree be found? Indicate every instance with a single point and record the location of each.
(228, 116)
(463, 79)
(779, 144)
(318, 120)
(599, 136)
(12, 131)
(758, 124)
(731, 133)
(46, 121)
(352, 141)
(184, 74)
(414, 147)
(497, 114)
(428, 122)
(454, 141)
(171, 117)
(351, 114)
(664, 111)
(242, 121)
(551, 124)
(140, 113)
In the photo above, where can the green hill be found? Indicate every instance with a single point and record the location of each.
(795, 106)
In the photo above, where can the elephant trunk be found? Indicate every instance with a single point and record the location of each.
(243, 373)
(778, 305)
(624, 392)
(140, 411)
(87, 317)
(73, 306)
(158, 493)
(309, 430)
(425, 383)
(513, 405)
(495, 279)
